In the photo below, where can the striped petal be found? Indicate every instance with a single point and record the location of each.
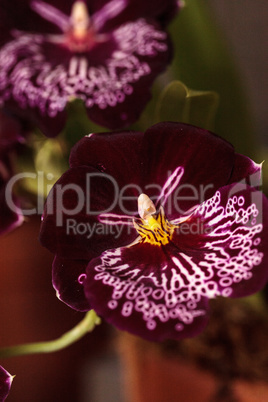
(140, 289)
(161, 291)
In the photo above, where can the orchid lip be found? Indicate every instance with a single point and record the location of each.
(168, 286)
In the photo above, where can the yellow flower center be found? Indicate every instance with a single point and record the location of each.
(153, 227)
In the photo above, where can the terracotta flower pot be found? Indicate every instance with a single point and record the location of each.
(228, 362)
(30, 312)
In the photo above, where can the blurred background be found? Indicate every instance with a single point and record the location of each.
(244, 25)
(219, 45)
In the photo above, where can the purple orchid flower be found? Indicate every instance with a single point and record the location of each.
(11, 137)
(147, 227)
(5, 383)
(106, 53)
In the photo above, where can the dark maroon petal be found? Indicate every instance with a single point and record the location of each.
(18, 14)
(226, 237)
(5, 383)
(129, 74)
(136, 94)
(34, 96)
(166, 149)
(246, 170)
(162, 11)
(10, 212)
(111, 153)
(21, 15)
(67, 279)
(70, 225)
(51, 126)
(112, 74)
(206, 159)
(10, 131)
(141, 290)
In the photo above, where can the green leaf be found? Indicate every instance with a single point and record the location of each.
(172, 102)
(40, 165)
(51, 160)
(179, 103)
(202, 107)
(78, 124)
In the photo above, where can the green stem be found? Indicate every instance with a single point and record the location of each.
(86, 325)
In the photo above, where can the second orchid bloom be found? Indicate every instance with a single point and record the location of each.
(147, 227)
(106, 53)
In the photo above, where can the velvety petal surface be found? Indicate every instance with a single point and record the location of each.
(247, 171)
(21, 15)
(67, 279)
(12, 135)
(70, 224)
(5, 384)
(111, 153)
(162, 11)
(171, 158)
(140, 289)
(123, 107)
(18, 14)
(10, 212)
(10, 132)
(205, 161)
